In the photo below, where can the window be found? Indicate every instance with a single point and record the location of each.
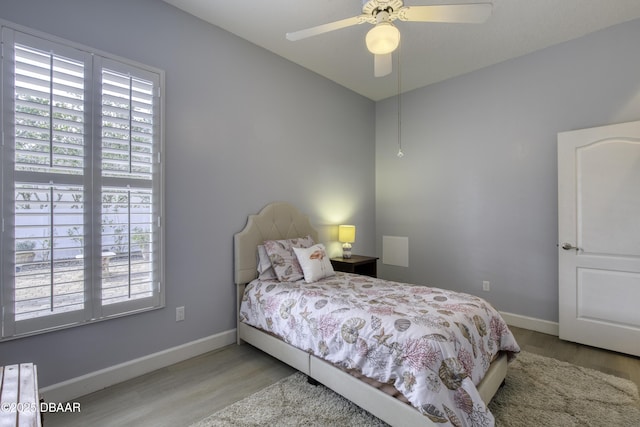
(81, 184)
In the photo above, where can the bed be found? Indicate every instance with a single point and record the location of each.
(395, 396)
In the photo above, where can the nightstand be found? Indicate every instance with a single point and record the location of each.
(358, 264)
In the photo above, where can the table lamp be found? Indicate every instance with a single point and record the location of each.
(346, 235)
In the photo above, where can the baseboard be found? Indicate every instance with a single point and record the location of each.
(94, 381)
(531, 323)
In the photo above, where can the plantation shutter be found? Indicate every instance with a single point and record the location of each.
(129, 167)
(81, 186)
(50, 170)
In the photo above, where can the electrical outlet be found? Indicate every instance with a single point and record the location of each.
(179, 314)
(486, 286)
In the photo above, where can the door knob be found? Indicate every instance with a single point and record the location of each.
(569, 246)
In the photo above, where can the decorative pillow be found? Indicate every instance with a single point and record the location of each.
(315, 262)
(282, 258)
(265, 270)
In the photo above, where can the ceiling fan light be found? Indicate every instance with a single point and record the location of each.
(383, 38)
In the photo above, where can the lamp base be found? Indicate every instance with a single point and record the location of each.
(346, 251)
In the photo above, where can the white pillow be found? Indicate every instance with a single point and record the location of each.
(315, 262)
(265, 269)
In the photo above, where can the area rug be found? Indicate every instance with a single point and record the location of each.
(539, 391)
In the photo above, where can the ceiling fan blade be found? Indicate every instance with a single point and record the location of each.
(382, 65)
(459, 13)
(325, 28)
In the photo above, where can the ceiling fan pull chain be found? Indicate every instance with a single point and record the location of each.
(400, 152)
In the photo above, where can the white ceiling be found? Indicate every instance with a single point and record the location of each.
(429, 52)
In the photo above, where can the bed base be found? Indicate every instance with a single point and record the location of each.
(382, 405)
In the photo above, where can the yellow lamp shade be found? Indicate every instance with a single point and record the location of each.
(347, 233)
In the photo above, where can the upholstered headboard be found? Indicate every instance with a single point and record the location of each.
(276, 221)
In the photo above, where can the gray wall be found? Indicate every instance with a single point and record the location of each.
(476, 191)
(243, 128)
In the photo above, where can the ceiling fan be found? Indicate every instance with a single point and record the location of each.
(384, 37)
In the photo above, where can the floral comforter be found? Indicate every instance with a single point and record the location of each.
(434, 345)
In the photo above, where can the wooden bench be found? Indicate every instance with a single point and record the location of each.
(19, 403)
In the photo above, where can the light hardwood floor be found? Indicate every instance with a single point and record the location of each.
(186, 392)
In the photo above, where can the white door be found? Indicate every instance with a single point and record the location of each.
(599, 236)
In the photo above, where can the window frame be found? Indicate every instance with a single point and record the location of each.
(92, 180)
